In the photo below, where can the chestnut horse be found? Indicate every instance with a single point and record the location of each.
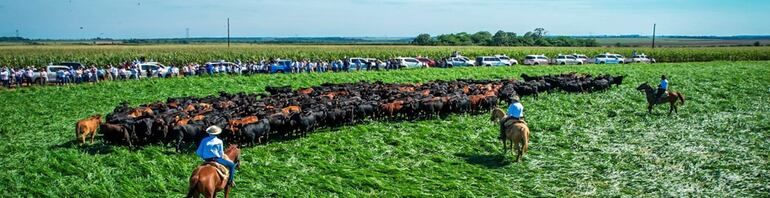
(517, 132)
(670, 98)
(497, 115)
(205, 179)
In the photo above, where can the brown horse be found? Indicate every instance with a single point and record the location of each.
(669, 97)
(86, 127)
(205, 179)
(517, 132)
(497, 115)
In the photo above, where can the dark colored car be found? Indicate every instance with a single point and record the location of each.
(427, 61)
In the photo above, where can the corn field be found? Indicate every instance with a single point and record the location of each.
(17, 56)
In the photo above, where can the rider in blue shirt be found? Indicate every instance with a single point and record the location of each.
(662, 87)
(515, 113)
(212, 149)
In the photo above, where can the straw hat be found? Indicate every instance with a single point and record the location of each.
(515, 98)
(214, 130)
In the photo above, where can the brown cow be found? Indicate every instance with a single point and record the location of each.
(181, 122)
(390, 109)
(86, 127)
(140, 111)
(233, 125)
(475, 101)
(306, 91)
(189, 108)
(198, 117)
(290, 109)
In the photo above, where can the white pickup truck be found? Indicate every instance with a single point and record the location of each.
(51, 70)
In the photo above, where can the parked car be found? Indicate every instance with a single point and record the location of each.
(74, 65)
(536, 60)
(281, 66)
(51, 70)
(458, 61)
(507, 59)
(490, 61)
(640, 58)
(364, 63)
(608, 58)
(583, 58)
(154, 67)
(406, 62)
(427, 61)
(567, 60)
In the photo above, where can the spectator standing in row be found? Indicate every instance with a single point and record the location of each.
(28, 73)
(19, 75)
(113, 72)
(5, 77)
(43, 76)
(61, 77)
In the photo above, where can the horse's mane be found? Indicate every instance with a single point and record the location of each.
(95, 116)
(231, 148)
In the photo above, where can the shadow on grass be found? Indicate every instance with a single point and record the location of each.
(91, 149)
(486, 160)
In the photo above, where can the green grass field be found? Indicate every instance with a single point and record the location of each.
(599, 144)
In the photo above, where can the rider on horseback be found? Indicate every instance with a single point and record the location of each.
(211, 149)
(515, 113)
(662, 87)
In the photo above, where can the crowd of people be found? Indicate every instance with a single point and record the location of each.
(135, 70)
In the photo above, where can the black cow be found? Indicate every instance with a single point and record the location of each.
(255, 131)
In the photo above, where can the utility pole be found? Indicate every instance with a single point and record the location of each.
(228, 32)
(17, 33)
(653, 35)
(187, 33)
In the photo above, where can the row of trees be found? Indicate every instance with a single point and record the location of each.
(501, 38)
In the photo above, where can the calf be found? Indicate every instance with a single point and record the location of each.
(86, 127)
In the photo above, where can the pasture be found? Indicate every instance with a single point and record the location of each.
(597, 144)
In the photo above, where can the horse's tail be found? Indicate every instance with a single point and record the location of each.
(193, 184)
(681, 98)
(524, 139)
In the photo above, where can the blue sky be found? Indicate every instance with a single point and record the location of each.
(67, 19)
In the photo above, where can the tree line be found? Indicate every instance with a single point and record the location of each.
(501, 38)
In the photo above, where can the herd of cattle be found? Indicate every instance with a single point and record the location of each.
(285, 113)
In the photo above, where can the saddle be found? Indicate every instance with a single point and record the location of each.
(509, 122)
(222, 170)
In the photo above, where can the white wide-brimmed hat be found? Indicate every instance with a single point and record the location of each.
(515, 98)
(214, 130)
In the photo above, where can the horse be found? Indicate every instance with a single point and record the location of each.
(86, 127)
(205, 179)
(518, 134)
(497, 115)
(670, 97)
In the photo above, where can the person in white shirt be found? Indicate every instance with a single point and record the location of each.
(5, 77)
(43, 76)
(113, 73)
